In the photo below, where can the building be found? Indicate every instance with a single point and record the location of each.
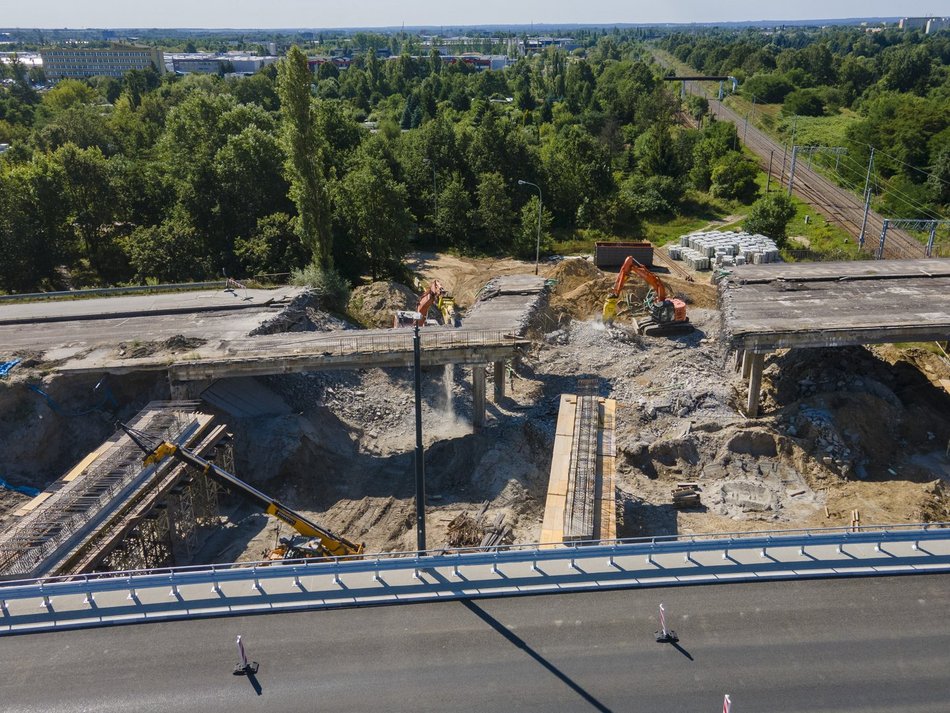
(935, 24)
(230, 63)
(61, 62)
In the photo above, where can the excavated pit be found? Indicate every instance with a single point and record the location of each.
(841, 429)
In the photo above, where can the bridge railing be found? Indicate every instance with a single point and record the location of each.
(479, 556)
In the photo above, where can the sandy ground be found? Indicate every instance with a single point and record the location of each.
(841, 430)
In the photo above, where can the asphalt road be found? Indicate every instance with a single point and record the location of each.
(872, 645)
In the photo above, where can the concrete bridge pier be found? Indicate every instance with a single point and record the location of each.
(499, 381)
(478, 396)
(752, 366)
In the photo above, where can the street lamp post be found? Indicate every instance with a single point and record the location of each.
(537, 247)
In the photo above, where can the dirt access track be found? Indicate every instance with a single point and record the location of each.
(840, 429)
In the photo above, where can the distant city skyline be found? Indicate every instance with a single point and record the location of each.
(215, 14)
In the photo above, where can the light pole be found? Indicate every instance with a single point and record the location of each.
(420, 452)
(537, 247)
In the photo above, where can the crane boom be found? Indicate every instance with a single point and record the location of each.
(333, 544)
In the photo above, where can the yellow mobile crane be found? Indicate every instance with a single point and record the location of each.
(313, 540)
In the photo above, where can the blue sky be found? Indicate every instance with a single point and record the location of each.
(375, 13)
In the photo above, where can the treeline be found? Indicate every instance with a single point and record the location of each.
(892, 87)
(168, 178)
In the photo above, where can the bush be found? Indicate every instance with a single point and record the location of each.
(767, 88)
(804, 102)
(331, 290)
(770, 215)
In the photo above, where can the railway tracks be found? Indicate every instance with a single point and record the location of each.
(840, 206)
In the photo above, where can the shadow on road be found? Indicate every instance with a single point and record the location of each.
(683, 651)
(255, 684)
(521, 644)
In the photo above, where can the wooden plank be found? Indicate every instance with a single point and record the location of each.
(565, 416)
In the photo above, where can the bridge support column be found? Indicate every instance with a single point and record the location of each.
(756, 364)
(478, 396)
(499, 381)
(747, 357)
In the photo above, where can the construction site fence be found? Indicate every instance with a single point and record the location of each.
(253, 572)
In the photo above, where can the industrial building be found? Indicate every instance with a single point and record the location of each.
(62, 62)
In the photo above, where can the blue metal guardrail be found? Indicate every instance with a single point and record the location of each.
(215, 575)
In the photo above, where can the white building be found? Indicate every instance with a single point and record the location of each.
(60, 62)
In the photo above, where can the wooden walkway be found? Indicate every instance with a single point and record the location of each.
(581, 503)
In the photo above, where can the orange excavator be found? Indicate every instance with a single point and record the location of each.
(666, 315)
(434, 296)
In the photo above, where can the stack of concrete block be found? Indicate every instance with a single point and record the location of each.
(693, 258)
(703, 249)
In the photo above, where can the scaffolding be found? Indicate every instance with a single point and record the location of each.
(77, 504)
(582, 476)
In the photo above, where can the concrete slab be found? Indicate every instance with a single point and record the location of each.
(768, 307)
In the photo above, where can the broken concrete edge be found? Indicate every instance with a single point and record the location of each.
(129, 314)
(777, 573)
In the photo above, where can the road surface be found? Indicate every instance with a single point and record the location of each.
(870, 644)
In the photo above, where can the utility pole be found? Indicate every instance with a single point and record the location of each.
(745, 131)
(420, 453)
(867, 199)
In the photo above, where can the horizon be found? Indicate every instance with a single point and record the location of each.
(419, 14)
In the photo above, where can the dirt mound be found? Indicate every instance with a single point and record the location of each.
(375, 304)
(580, 288)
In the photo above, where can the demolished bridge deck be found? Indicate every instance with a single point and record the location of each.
(779, 306)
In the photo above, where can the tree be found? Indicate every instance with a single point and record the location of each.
(33, 230)
(733, 177)
(494, 210)
(272, 248)
(249, 181)
(452, 218)
(527, 242)
(171, 252)
(770, 216)
(90, 198)
(372, 206)
(304, 147)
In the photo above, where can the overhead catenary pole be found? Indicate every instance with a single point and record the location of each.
(768, 180)
(781, 176)
(420, 454)
(791, 172)
(880, 248)
(867, 199)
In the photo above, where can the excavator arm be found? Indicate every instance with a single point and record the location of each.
(332, 544)
(434, 296)
(663, 312)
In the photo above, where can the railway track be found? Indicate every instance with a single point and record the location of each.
(840, 206)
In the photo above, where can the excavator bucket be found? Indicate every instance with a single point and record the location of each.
(610, 309)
